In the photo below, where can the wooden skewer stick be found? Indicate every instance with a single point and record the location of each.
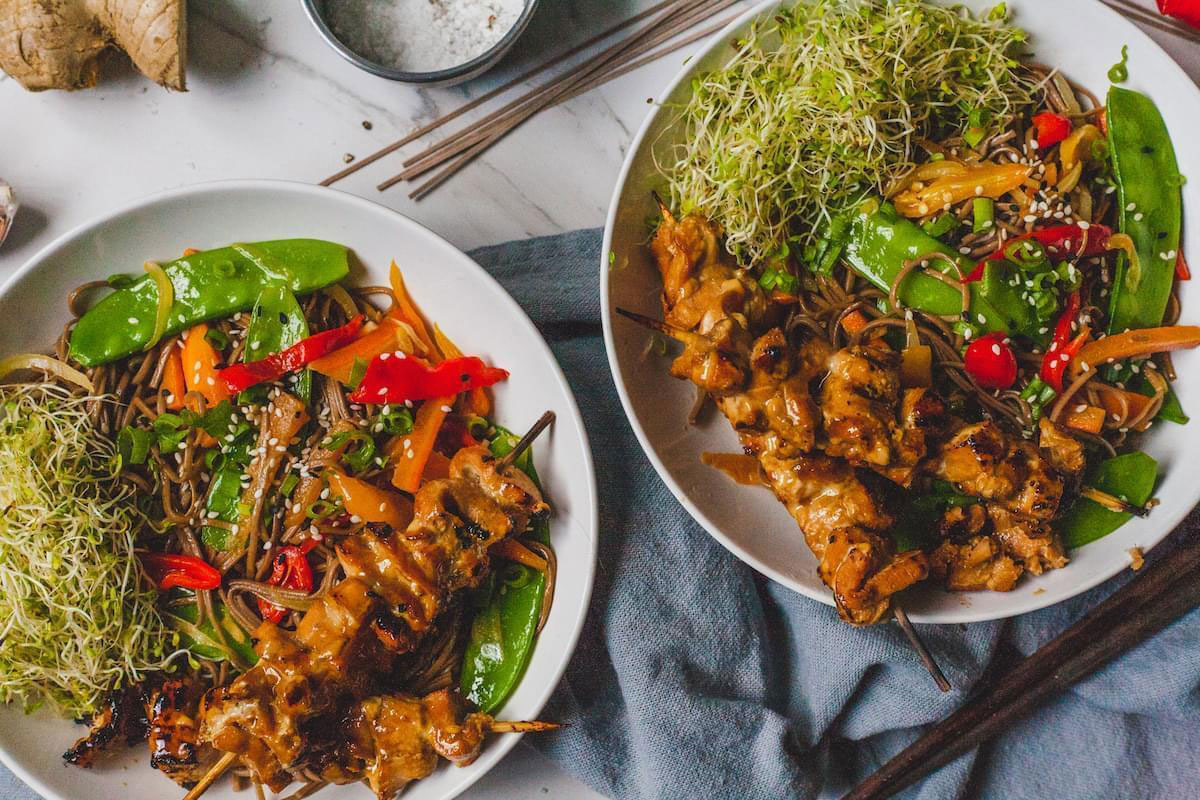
(526, 440)
(470, 155)
(483, 98)
(923, 653)
(658, 326)
(216, 771)
(531, 726)
(496, 125)
(1113, 503)
(512, 111)
(258, 791)
(307, 790)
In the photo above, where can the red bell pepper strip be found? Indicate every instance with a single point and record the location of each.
(1062, 348)
(1181, 268)
(1051, 129)
(289, 570)
(171, 570)
(1059, 242)
(240, 377)
(391, 379)
(1186, 10)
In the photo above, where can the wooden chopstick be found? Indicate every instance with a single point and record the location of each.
(427, 187)
(1147, 17)
(1158, 596)
(509, 116)
(494, 93)
(598, 72)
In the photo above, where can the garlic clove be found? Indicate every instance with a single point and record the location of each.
(8, 209)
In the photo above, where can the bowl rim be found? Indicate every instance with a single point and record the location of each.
(964, 615)
(589, 518)
(447, 75)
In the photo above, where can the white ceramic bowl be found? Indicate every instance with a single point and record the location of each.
(451, 289)
(1081, 37)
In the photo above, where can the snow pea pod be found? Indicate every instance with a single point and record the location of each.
(207, 285)
(507, 608)
(881, 241)
(1130, 476)
(1150, 202)
(276, 323)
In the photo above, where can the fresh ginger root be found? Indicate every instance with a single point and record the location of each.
(56, 44)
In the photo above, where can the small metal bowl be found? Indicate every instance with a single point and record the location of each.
(444, 77)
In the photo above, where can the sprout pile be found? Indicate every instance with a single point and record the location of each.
(75, 618)
(828, 102)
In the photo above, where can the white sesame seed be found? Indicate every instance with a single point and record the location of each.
(1079, 409)
(446, 409)
(1138, 217)
(1131, 207)
(996, 349)
(133, 321)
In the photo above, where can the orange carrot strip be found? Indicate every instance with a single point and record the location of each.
(172, 380)
(411, 452)
(387, 337)
(370, 503)
(200, 363)
(1132, 344)
(1089, 419)
(515, 551)
(437, 467)
(854, 322)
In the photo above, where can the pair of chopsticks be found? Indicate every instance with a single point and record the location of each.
(1136, 13)
(666, 29)
(1159, 595)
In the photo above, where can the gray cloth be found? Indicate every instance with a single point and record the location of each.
(697, 678)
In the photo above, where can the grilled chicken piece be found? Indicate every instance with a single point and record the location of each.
(1062, 450)
(1031, 541)
(122, 717)
(975, 564)
(173, 714)
(924, 420)
(394, 740)
(842, 512)
(858, 402)
(984, 461)
(455, 522)
(776, 411)
(299, 676)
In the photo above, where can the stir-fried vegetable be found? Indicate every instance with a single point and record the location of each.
(990, 361)
(277, 323)
(508, 607)
(46, 364)
(206, 286)
(240, 377)
(176, 570)
(1150, 206)
(369, 503)
(824, 104)
(290, 570)
(402, 379)
(1129, 477)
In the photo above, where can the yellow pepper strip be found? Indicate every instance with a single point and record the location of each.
(1078, 146)
(983, 180)
(370, 503)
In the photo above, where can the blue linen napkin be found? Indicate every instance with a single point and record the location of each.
(696, 678)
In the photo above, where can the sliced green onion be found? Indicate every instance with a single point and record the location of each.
(321, 509)
(983, 212)
(940, 226)
(288, 484)
(396, 420)
(133, 444)
(166, 298)
(358, 371)
(217, 338)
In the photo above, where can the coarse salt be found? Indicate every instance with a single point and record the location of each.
(422, 35)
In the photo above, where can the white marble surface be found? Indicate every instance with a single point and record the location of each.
(268, 99)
